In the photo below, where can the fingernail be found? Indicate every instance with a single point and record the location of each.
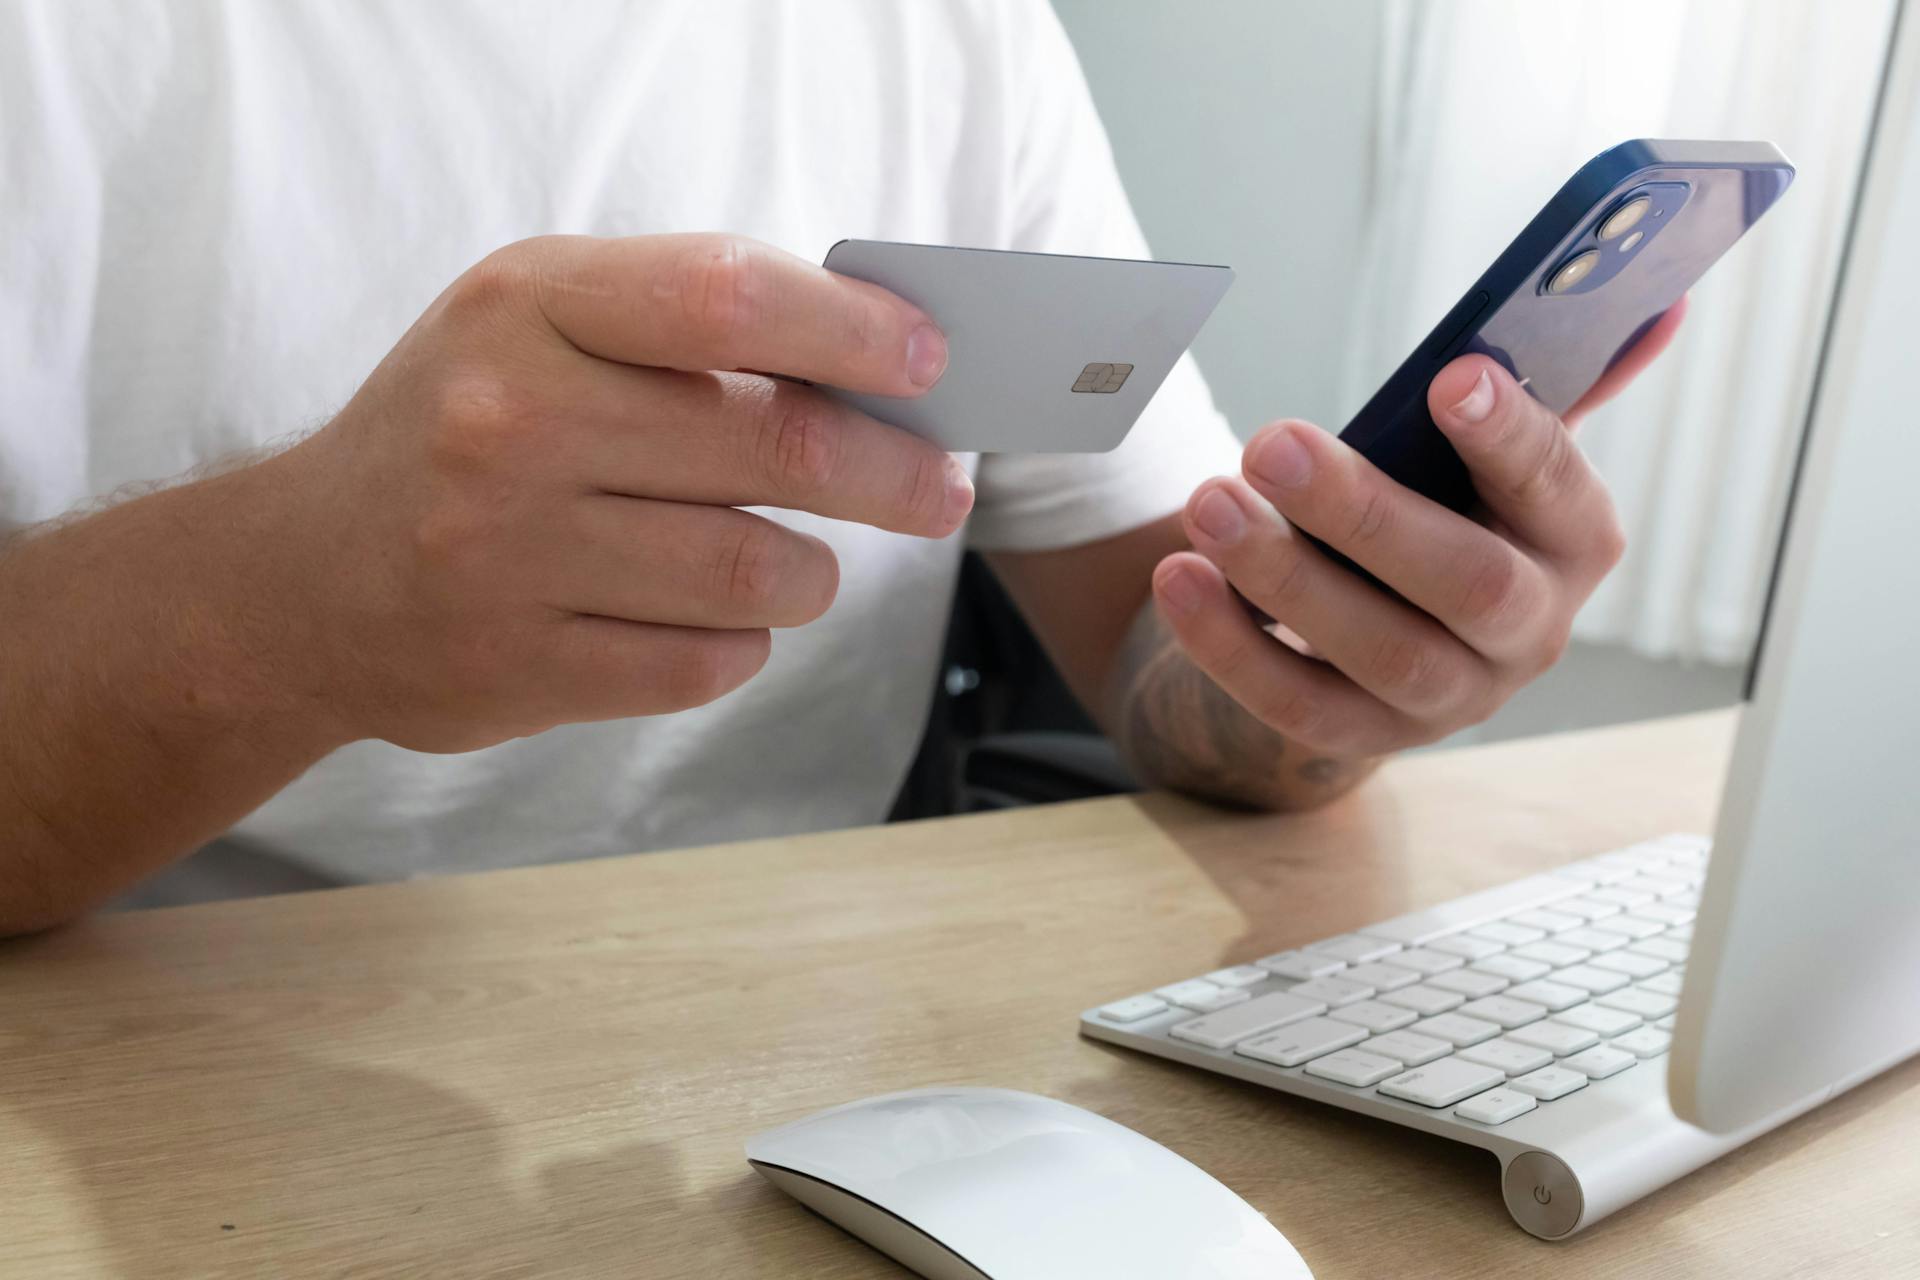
(1220, 518)
(1180, 591)
(1281, 461)
(926, 355)
(959, 492)
(1477, 403)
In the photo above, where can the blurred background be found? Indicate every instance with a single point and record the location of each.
(1359, 164)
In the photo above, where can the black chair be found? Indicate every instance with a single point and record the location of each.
(1004, 730)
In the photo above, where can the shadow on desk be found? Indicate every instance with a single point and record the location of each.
(300, 1159)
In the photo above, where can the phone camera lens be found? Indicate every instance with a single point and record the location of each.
(1573, 271)
(1623, 218)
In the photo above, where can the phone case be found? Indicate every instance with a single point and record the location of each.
(1702, 196)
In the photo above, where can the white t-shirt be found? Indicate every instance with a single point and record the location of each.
(215, 220)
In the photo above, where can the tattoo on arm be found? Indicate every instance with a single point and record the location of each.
(1178, 729)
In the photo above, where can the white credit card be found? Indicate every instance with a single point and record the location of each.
(1046, 353)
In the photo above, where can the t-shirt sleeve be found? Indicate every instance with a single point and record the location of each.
(1067, 198)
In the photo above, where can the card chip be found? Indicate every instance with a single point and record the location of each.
(1102, 379)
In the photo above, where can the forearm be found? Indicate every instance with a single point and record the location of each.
(1178, 729)
(150, 692)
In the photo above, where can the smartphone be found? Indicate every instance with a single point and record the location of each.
(1616, 246)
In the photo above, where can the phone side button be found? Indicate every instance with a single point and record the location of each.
(1454, 325)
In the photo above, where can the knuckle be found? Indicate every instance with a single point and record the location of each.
(497, 281)
(800, 447)
(1557, 470)
(1372, 520)
(1496, 595)
(1409, 669)
(701, 671)
(477, 422)
(747, 569)
(1610, 541)
(1292, 710)
(1288, 582)
(717, 285)
(923, 488)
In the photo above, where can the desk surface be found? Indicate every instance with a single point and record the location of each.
(551, 1071)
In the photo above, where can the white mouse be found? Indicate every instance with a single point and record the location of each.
(990, 1184)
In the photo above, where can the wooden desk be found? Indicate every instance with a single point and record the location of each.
(551, 1071)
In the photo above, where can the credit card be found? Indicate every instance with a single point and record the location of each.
(1046, 353)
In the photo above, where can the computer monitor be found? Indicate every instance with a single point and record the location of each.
(1804, 977)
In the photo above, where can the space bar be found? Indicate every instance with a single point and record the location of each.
(1419, 927)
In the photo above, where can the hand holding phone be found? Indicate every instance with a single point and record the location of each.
(1447, 615)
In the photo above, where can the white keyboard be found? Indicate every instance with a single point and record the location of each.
(1531, 1019)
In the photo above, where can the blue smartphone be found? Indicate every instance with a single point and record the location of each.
(1615, 247)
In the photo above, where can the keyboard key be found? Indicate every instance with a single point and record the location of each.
(1648, 1004)
(1595, 1018)
(1599, 1062)
(1419, 927)
(1551, 921)
(1628, 898)
(1689, 901)
(1505, 1010)
(1468, 983)
(1661, 949)
(1456, 1030)
(1302, 1041)
(1593, 909)
(1425, 961)
(1265, 1013)
(1553, 953)
(1630, 963)
(1381, 977)
(1600, 873)
(1664, 1024)
(1513, 970)
(1669, 912)
(1241, 975)
(1555, 995)
(1373, 1015)
(1301, 966)
(1507, 934)
(1442, 1083)
(1556, 1038)
(1644, 1043)
(1680, 933)
(1635, 927)
(1642, 857)
(1423, 999)
(1549, 1083)
(1353, 948)
(1510, 1056)
(1466, 946)
(1496, 1106)
(1133, 1008)
(1588, 978)
(1220, 998)
(1594, 938)
(1198, 993)
(1666, 984)
(1660, 885)
(1332, 991)
(1408, 1047)
(1355, 1067)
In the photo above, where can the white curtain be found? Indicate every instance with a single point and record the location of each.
(1487, 105)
